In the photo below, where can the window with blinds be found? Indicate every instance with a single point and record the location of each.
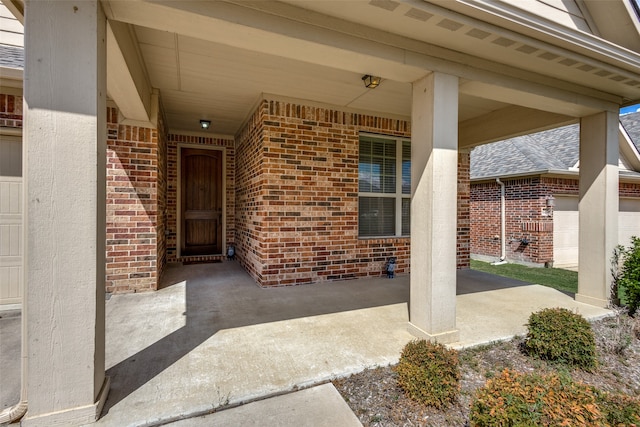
(384, 185)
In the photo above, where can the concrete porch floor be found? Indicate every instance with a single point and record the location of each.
(211, 337)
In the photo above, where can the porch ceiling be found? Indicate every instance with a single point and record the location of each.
(214, 60)
(201, 79)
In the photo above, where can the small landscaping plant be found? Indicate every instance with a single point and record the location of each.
(620, 410)
(514, 399)
(429, 373)
(628, 277)
(559, 335)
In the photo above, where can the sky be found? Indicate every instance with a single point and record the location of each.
(630, 109)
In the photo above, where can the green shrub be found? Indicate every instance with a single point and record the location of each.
(514, 399)
(628, 280)
(559, 335)
(620, 410)
(429, 373)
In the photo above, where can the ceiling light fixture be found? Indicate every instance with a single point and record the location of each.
(371, 81)
(205, 124)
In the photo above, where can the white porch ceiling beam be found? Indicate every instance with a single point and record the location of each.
(507, 123)
(312, 37)
(246, 28)
(127, 80)
(537, 97)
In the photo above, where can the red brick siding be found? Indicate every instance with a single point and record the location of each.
(173, 143)
(133, 176)
(10, 111)
(298, 196)
(464, 220)
(629, 190)
(250, 185)
(526, 199)
(161, 229)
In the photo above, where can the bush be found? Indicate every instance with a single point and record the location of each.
(429, 373)
(559, 335)
(514, 399)
(628, 279)
(620, 410)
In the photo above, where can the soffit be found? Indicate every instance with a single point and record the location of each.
(201, 79)
(532, 43)
(216, 59)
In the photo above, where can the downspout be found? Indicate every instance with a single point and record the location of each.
(503, 225)
(18, 410)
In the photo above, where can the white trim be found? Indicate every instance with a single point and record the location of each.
(628, 150)
(179, 195)
(398, 195)
(11, 134)
(201, 134)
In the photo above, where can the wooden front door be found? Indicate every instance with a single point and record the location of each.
(201, 179)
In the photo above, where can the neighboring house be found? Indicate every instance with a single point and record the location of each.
(539, 173)
(303, 169)
(11, 64)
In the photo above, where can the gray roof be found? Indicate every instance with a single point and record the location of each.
(631, 123)
(11, 56)
(551, 150)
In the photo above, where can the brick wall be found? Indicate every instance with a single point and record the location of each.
(250, 186)
(161, 226)
(135, 174)
(463, 242)
(174, 141)
(524, 200)
(10, 111)
(297, 196)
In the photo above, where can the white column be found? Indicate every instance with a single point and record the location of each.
(64, 172)
(598, 206)
(434, 182)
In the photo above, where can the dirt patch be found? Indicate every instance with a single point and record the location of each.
(375, 398)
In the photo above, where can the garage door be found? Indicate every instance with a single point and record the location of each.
(565, 232)
(10, 240)
(628, 220)
(565, 228)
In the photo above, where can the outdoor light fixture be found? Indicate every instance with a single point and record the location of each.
(205, 124)
(551, 201)
(371, 81)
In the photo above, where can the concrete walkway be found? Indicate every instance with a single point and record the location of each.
(211, 338)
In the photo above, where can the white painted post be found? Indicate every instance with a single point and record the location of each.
(598, 206)
(64, 158)
(434, 183)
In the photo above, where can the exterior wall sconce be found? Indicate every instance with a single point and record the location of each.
(205, 124)
(549, 202)
(371, 81)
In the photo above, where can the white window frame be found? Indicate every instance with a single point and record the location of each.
(398, 195)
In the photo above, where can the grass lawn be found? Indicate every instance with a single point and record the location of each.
(563, 280)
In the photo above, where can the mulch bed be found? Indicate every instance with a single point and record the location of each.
(375, 398)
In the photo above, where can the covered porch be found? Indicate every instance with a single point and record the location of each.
(211, 338)
(452, 79)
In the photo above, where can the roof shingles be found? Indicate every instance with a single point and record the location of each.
(552, 150)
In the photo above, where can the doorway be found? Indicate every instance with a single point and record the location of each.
(201, 202)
